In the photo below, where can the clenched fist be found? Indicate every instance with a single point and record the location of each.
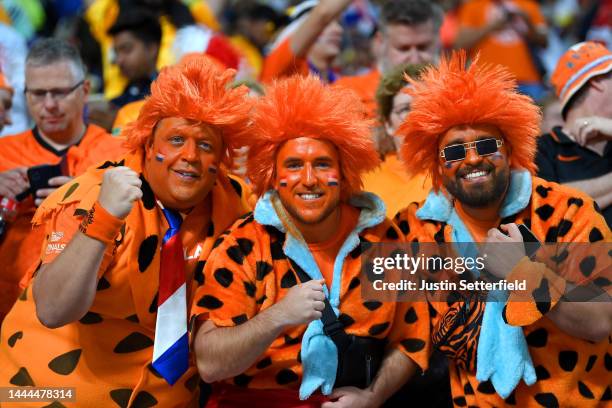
(120, 188)
(302, 304)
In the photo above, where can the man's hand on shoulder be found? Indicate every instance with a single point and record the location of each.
(120, 188)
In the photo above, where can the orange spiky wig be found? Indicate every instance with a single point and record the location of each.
(305, 107)
(455, 94)
(197, 90)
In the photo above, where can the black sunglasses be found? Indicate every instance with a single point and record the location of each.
(458, 152)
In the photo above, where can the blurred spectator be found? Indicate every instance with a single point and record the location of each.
(101, 15)
(579, 154)
(601, 26)
(56, 92)
(252, 28)
(6, 97)
(136, 40)
(506, 32)
(408, 33)
(13, 50)
(390, 181)
(27, 16)
(450, 25)
(310, 43)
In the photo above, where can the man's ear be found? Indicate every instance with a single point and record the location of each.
(148, 147)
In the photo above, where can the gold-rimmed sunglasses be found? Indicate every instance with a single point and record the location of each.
(458, 151)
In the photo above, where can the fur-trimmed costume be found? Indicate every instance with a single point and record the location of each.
(509, 344)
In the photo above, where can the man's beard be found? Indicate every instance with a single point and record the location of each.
(480, 196)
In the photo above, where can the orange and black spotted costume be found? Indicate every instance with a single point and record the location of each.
(255, 265)
(106, 355)
(569, 370)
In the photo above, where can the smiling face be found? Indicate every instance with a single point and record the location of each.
(476, 181)
(181, 162)
(308, 180)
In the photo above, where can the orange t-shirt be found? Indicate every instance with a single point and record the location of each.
(325, 253)
(282, 62)
(4, 83)
(365, 86)
(478, 228)
(395, 186)
(21, 245)
(507, 46)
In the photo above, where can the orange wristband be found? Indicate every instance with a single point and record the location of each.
(100, 224)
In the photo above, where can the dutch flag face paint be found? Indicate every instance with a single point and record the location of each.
(212, 169)
(160, 157)
(332, 182)
(282, 182)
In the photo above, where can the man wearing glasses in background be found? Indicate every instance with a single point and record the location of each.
(56, 91)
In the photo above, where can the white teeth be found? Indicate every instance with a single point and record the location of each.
(310, 196)
(475, 174)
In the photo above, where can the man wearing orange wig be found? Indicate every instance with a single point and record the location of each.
(126, 245)
(475, 135)
(282, 289)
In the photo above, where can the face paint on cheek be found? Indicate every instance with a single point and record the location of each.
(212, 169)
(282, 182)
(332, 181)
(160, 157)
(448, 165)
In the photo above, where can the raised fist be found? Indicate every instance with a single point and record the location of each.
(302, 304)
(120, 188)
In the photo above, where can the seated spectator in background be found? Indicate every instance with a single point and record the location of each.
(136, 40)
(579, 153)
(252, 29)
(6, 100)
(408, 32)
(111, 299)
(266, 283)
(309, 44)
(475, 135)
(56, 91)
(172, 14)
(390, 181)
(506, 33)
(13, 52)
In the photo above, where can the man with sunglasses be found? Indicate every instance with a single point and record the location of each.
(56, 90)
(475, 136)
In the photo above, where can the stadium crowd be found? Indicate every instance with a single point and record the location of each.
(188, 189)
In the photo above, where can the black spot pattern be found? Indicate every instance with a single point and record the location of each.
(286, 376)
(584, 390)
(71, 190)
(235, 254)
(608, 361)
(355, 282)
(568, 360)
(587, 265)
(346, 320)
(147, 251)
(224, 277)
(467, 389)
(276, 250)
(404, 227)
(133, 342)
(144, 400)
(537, 338)
(91, 318)
(543, 191)
(288, 280)
(511, 400)
(290, 341)
(263, 268)
(460, 401)
(121, 396)
(410, 316)
(242, 380)
(378, 328)
(564, 227)
(578, 202)
(590, 363)
(211, 230)
(14, 337)
(542, 294)
(153, 305)
(413, 345)
(391, 233)
(148, 197)
(66, 363)
(240, 319)
(266, 362)
(486, 387)
(103, 284)
(372, 305)
(546, 399)
(237, 186)
(595, 235)
(363, 246)
(210, 302)
(249, 288)
(246, 245)
(22, 378)
(552, 234)
(109, 163)
(439, 236)
(542, 373)
(607, 395)
(198, 274)
(545, 212)
(560, 257)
